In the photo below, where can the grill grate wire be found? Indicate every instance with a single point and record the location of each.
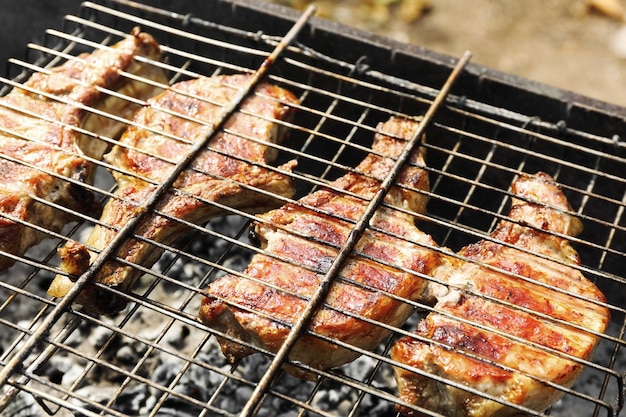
(473, 151)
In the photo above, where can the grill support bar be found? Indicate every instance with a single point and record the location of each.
(18, 360)
(359, 228)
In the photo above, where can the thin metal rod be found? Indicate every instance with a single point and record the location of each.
(320, 294)
(17, 361)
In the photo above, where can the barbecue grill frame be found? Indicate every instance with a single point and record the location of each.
(480, 90)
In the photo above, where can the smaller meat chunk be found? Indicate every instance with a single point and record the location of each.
(516, 310)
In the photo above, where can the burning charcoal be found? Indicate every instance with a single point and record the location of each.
(126, 354)
(237, 262)
(71, 375)
(176, 407)
(98, 394)
(228, 225)
(149, 405)
(344, 407)
(56, 368)
(293, 385)
(201, 244)
(171, 412)
(215, 379)
(253, 367)
(150, 333)
(229, 405)
(177, 336)
(374, 406)
(74, 339)
(288, 413)
(196, 382)
(269, 409)
(132, 400)
(210, 356)
(382, 408)
(165, 373)
(22, 406)
(99, 336)
(195, 385)
(321, 400)
(242, 394)
(362, 368)
(189, 271)
(201, 376)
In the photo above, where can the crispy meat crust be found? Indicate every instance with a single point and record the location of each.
(229, 172)
(40, 148)
(300, 241)
(506, 349)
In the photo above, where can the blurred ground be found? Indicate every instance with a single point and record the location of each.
(576, 45)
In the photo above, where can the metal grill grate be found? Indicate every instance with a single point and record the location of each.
(155, 357)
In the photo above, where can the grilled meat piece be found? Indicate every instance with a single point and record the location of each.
(540, 310)
(229, 172)
(301, 240)
(40, 147)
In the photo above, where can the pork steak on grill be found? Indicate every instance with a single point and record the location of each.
(516, 315)
(232, 171)
(300, 241)
(40, 147)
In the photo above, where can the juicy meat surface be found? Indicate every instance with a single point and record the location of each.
(229, 172)
(41, 149)
(300, 241)
(540, 308)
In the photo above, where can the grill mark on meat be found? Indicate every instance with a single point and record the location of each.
(229, 172)
(40, 147)
(501, 334)
(300, 241)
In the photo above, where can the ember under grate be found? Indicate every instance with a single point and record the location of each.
(156, 359)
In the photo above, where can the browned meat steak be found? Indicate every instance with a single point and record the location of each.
(507, 345)
(300, 240)
(229, 172)
(40, 148)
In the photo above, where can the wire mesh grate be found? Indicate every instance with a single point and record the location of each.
(156, 358)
